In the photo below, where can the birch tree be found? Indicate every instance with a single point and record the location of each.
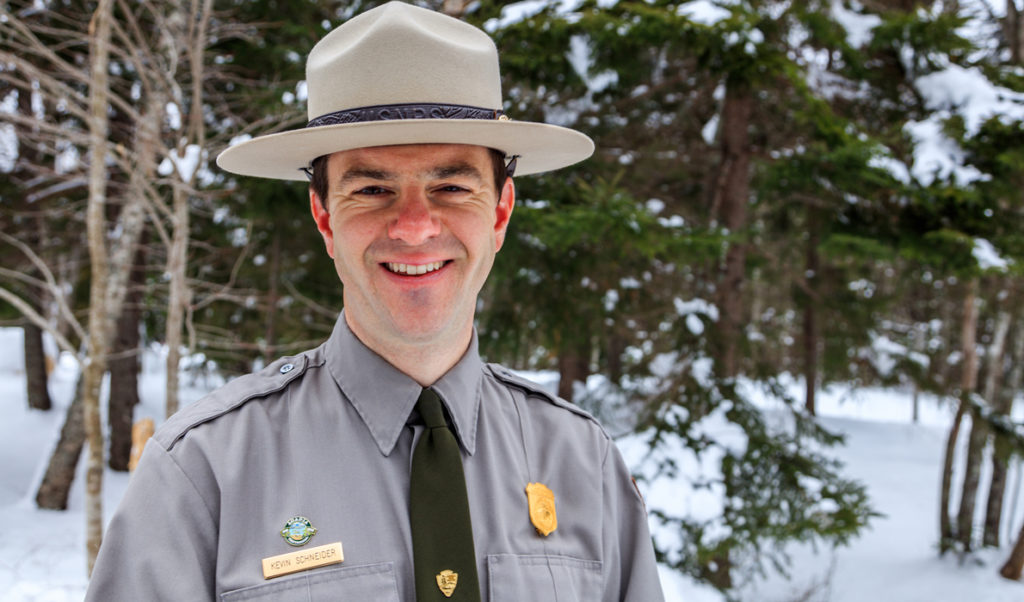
(99, 325)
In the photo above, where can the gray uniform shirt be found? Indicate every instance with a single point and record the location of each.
(326, 435)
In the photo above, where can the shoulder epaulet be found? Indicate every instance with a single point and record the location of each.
(531, 388)
(271, 379)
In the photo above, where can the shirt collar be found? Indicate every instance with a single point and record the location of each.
(384, 396)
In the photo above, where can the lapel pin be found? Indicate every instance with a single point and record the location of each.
(446, 582)
(297, 531)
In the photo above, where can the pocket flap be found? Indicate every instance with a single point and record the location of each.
(353, 583)
(542, 578)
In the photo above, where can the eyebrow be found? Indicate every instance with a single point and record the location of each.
(440, 172)
(365, 172)
(456, 169)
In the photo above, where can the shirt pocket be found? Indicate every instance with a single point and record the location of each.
(347, 584)
(541, 578)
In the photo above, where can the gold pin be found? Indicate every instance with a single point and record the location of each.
(542, 508)
(446, 582)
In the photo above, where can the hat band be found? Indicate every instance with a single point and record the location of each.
(405, 111)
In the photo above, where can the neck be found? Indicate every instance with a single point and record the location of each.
(424, 362)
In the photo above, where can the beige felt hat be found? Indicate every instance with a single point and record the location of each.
(399, 74)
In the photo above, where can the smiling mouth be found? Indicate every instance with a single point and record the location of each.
(407, 269)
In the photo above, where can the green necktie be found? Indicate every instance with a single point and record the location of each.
(442, 534)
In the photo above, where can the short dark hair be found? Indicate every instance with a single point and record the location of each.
(318, 177)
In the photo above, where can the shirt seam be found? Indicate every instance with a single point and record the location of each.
(191, 483)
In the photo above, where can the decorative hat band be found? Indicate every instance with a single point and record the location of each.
(407, 111)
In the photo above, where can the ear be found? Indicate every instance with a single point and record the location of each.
(323, 221)
(503, 212)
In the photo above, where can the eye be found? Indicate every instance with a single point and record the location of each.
(371, 190)
(452, 189)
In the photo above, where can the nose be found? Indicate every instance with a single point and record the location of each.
(414, 222)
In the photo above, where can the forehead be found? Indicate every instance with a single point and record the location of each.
(410, 159)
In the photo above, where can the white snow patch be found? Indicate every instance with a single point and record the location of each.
(239, 139)
(859, 27)
(896, 168)
(517, 12)
(704, 12)
(936, 156)
(695, 306)
(710, 130)
(694, 324)
(173, 116)
(8, 147)
(987, 256)
(968, 93)
(186, 164)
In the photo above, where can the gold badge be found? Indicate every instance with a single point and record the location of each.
(446, 582)
(542, 508)
(310, 558)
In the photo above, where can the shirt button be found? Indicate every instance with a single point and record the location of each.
(285, 369)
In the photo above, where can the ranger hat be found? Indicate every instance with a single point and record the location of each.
(399, 74)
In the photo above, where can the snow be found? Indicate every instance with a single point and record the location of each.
(968, 93)
(173, 116)
(710, 130)
(581, 57)
(858, 27)
(898, 460)
(956, 91)
(704, 12)
(186, 164)
(936, 156)
(695, 306)
(987, 256)
(8, 147)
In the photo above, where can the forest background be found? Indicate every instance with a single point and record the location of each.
(828, 190)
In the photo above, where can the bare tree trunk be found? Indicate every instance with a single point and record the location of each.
(916, 412)
(99, 336)
(979, 436)
(731, 196)
(969, 491)
(1014, 29)
(1014, 565)
(573, 367)
(969, 326)
(270, 325)
(1002, 451)
(176, 264)
(811, 313)
(36, 375)
(124, 368)
(60, 472)
(180, 296)
(124, 372)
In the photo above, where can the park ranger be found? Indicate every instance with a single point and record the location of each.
(390, 463)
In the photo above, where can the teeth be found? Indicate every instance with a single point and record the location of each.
(414, 270)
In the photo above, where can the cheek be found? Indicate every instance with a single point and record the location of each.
(351, 237)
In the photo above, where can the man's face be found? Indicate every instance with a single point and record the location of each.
(413, 231)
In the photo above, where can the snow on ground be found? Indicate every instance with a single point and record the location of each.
(894, 560)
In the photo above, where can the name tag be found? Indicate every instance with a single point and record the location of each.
(303, 560)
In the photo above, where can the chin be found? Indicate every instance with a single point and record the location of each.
(424, 328)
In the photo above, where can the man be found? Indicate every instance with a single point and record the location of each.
(390, 463)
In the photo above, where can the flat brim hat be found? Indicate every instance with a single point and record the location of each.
(399, 74)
